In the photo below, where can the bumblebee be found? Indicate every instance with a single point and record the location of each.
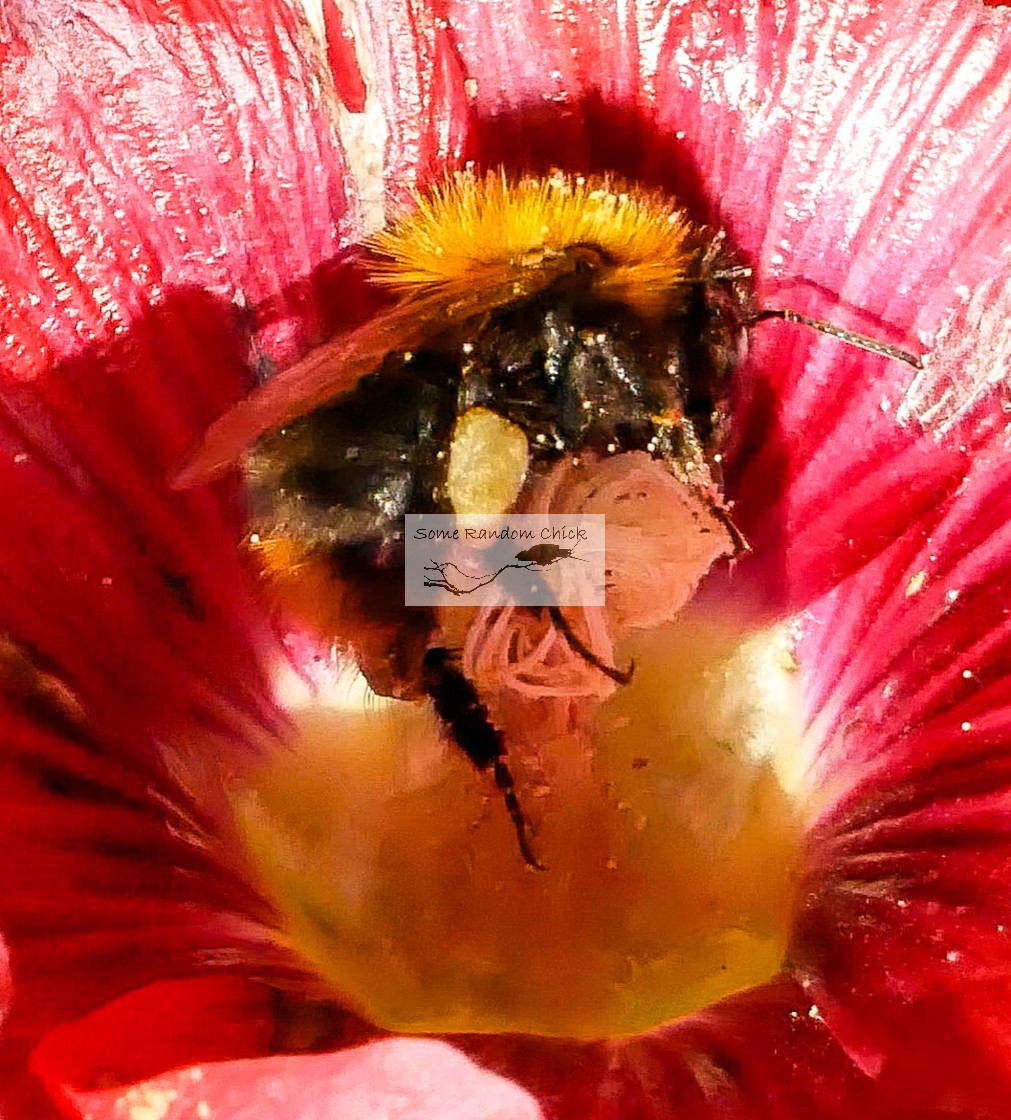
(530, 319)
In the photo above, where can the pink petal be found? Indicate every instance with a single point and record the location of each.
(213, 1033)
(844, 193)
(143, 224)
(343, 60)
(159, 182)
(420, 84)
(910, 862)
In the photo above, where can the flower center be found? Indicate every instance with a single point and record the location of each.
(666, 820)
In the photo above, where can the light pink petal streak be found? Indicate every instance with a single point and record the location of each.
(211, 1059)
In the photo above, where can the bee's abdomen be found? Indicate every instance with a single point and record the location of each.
(457, 704)
(347, 473)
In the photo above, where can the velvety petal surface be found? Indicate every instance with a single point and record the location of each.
(175, 195)
(910, 897)
(171, 185)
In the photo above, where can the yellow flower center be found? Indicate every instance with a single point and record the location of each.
(671, 841)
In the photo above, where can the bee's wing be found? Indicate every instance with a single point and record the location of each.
(327, 371)
(335, 367)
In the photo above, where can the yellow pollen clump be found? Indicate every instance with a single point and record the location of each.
(487, 463)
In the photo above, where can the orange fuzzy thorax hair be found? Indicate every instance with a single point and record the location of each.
(470, 232)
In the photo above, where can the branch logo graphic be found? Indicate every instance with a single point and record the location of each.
(474, 560)
(449, 577)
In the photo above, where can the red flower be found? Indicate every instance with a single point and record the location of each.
(177, 205)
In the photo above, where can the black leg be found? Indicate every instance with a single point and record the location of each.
(465, 720)
(622, 676)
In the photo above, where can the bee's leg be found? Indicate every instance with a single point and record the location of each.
(504, 781)
(622, 676)
(465, 720)
(739, 540)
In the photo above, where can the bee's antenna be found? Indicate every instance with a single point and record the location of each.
(862, 341)
(859, 340)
